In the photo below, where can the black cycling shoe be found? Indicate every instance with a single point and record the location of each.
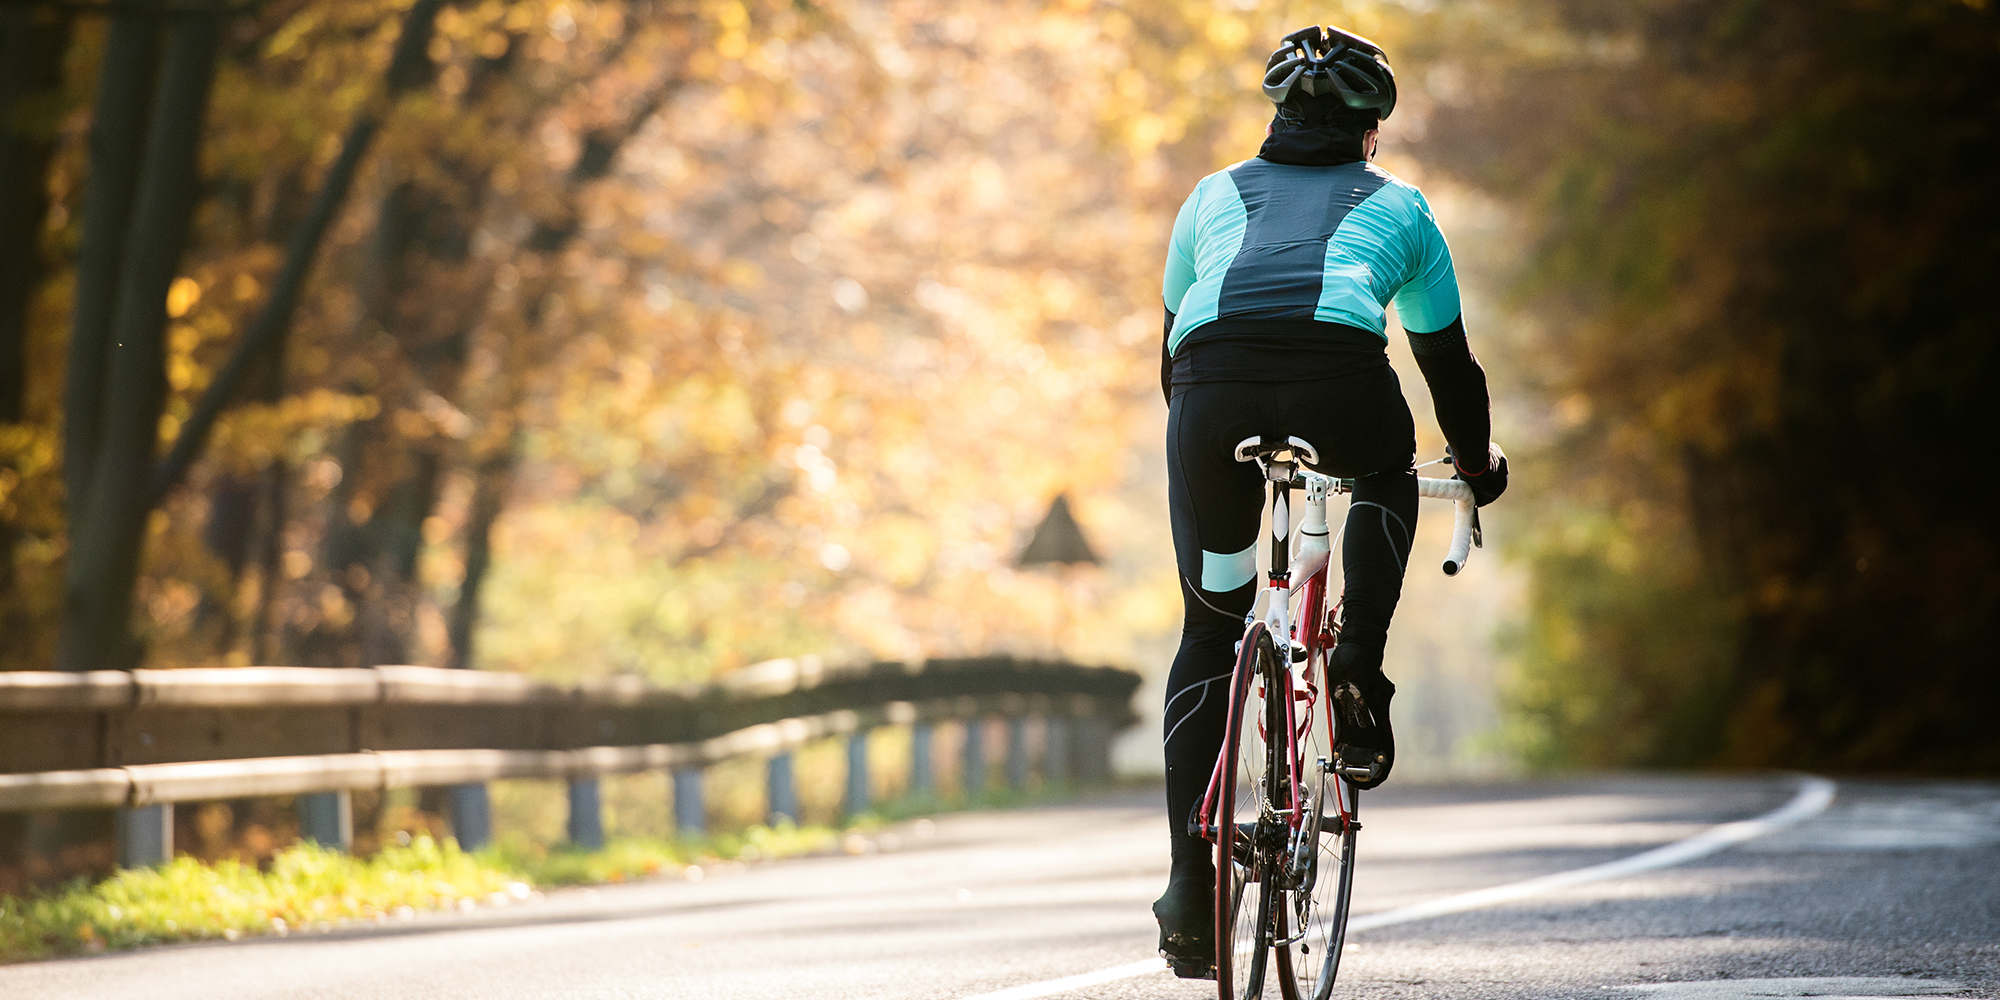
(1186, 913)
(1363, 738)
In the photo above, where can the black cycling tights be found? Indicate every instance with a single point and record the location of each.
(1361, 428)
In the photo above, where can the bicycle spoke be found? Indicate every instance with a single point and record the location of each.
(1247, 884)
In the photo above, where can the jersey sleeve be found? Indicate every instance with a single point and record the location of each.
(1428, 300)
(1180, 253)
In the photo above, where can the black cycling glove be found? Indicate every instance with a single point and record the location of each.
(1489, 484)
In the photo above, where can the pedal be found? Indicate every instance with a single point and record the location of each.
(1365, 768)
(1298, 652)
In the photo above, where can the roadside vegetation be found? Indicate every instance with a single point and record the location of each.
(307, 888)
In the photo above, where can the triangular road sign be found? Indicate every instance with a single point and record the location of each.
(1058, 539)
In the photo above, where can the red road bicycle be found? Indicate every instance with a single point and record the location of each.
(1282, 805)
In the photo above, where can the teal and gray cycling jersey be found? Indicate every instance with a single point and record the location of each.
(1261, 242)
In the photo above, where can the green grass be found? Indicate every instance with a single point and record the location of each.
(186, 900)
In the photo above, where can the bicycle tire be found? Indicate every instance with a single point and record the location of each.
(1323, 886)
(1243, 933)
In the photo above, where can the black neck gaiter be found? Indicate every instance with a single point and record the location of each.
(1322, 145)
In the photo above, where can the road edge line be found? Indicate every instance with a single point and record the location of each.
(1814, 795)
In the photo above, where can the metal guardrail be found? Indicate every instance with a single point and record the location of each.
(147, 738)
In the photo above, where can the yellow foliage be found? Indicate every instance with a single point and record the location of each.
(871, 286)
(182, 295)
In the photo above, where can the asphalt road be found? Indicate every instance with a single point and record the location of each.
(1894, 890)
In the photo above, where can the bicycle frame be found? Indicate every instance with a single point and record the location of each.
(1295, 806)
(1283, 469)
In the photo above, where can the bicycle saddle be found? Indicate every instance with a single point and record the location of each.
(1263, 449)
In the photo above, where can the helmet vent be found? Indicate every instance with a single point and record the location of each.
(1319, 61)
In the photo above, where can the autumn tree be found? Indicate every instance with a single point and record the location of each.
(1765, 231)
(118, 379)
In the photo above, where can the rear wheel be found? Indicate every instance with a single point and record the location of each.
(1248, 871)
(1322, 855)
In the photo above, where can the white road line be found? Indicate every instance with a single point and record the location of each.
(1812, 798)
(1814, 795)
(1068, 983)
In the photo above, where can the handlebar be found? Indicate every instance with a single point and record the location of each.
(1465, 519)
(1465, 533)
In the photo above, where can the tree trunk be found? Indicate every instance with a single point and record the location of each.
(271, 553)
(489, 497)
(117, 143)
(233, 504)
(245, 529)
(389, 618)
(109, 535)
(431, 239)
(267, 532)
(374, 471)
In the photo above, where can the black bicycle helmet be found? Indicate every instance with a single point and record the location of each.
(1328, 62)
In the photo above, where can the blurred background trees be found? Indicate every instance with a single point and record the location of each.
(662, 336)
(1764, 241)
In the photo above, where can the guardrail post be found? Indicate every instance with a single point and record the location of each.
(923, 777)
(471, 816)
(1093, 750)
(146, 836)
(857, 772)
(586, 813)
(1056, 737)
(781, 791)
(973, 781)
(1017, 752)
(327, 819)
(690, 812)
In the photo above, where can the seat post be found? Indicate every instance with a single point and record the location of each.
(1281, 522)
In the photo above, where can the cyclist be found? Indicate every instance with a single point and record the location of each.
(1276, 280)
